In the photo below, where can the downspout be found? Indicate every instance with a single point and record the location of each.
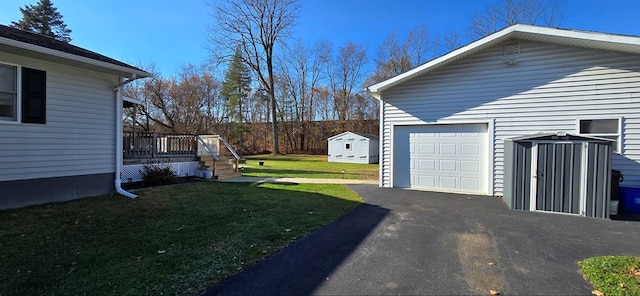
(118, 182)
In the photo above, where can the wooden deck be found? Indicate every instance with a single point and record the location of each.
(159, 148)
(157, 145)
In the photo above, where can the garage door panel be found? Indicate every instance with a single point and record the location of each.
(470, 149)
(448, 182)
(428, 165)
(470, 183)
(427, 180)
(442, 157)
(428, 149)
(448, 148)
(448, 165)
(469, 166)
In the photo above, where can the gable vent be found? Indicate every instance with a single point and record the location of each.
(511, 52)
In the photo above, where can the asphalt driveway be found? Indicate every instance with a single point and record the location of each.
(412, 242)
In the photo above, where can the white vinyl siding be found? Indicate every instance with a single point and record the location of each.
(352, 148)
(79, 135)
(546, 91)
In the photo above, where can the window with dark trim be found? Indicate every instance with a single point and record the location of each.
(347, 146)
(34, 96)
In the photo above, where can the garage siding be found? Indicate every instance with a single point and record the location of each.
(546, 91)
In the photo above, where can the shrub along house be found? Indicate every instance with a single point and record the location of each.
(444, 123)
(60, 120)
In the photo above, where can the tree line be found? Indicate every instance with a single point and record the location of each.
(273, 84)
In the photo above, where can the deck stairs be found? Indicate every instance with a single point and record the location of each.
(210, 155)
(222, 168)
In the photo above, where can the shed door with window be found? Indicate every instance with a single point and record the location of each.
(452, 158)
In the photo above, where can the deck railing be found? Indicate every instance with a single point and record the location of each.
(158, 145)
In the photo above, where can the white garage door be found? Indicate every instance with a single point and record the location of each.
(452, 158)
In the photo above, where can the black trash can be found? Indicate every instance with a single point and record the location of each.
(616, 178)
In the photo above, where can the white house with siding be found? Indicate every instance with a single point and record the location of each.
(444, 123)
(353, 148)
(60, 120)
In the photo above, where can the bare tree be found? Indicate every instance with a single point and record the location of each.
(255, 27)
(301, 69)
(422, 46)
(395, 57)
(187, 103)
(452, 41)
(510, 12)
(344, 74)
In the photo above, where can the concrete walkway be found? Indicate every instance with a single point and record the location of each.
(407, 242)
(244, 179)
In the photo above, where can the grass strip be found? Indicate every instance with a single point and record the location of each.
(307, 166)
(613, 275)
(170, 240)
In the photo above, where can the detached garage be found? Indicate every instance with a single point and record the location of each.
(444, 123)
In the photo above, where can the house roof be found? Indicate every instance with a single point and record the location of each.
(368, 136)
(43, 47)
(585, 39)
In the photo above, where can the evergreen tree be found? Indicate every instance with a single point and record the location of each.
(44, 19)
(235, 89)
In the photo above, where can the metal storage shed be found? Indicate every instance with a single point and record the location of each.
(354, 148)
(559, 173)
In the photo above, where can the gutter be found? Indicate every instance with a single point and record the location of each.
(73, 57)
(117, 181)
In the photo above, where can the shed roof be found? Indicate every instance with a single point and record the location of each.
(25, 43)
(368, 136)
(559, 136)
(585, 39)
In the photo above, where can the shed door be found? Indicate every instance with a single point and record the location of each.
(452, 158)
(558, 177)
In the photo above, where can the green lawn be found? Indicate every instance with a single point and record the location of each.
(307, 166)
(613, 275)
(170, 240)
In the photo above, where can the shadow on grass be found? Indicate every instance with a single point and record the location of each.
(303, 266)
(170, 240)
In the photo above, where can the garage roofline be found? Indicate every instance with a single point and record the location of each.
(585, 39)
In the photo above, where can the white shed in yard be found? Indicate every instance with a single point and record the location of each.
(354, 148)
(444, 123)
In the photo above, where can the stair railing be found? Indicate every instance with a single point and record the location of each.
(235, 154)
(207, 147)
